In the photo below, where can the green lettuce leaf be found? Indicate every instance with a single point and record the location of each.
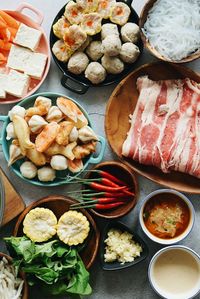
(54, 266)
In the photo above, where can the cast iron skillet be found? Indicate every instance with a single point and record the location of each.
(79, 83)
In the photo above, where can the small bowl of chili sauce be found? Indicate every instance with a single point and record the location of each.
(166, 216)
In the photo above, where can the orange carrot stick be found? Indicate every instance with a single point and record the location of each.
(2, 25)
(3, 59)
(5, 45)
(5, 34)
(10, 21)
(13, 31)
(2, 20)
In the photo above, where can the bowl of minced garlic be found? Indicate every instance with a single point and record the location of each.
(121, 247)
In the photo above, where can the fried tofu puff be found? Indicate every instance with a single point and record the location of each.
(60, 26)
(120, 13)
(104, 8)
(91, 23)
(88, 5)
(61, 51)
(73, 12)
(74, 38)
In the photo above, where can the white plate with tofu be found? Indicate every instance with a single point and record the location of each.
(28, 60)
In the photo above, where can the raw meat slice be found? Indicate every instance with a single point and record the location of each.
(165, 125)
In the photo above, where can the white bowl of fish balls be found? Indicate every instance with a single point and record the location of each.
(104, 42)
(48, 139)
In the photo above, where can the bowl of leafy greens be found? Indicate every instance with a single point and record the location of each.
(55, 265)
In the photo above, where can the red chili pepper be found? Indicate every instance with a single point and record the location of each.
(108, 206)
(108, 182)
(103, 205)
(111, 177)
(127, 192)
(101, 200)
(100, 187)
(107, 194)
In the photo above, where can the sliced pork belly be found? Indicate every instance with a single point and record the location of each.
(165, 126)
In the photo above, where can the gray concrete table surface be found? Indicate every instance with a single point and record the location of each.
(129, 283)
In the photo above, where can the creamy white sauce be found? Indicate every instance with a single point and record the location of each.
(176, 273)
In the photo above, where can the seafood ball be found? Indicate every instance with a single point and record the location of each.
(78, 63)
(129, 52)
(111, 45)
(95, 72)
(46, 174)
(28, 170)
(59, 162)
(94, 50)
(130, 32)
(113, 65)
(109, 29)
(85, 44)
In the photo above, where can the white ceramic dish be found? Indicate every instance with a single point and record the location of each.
(174, 272)
(179, 237)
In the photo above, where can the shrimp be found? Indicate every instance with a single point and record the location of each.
(46, 137)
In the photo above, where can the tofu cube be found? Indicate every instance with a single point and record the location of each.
(18, 58)
(36, 65)
(24, 60)
(2, 86)
(17, 83)
(28, 37)
(2, 94)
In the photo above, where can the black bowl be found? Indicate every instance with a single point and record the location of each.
(116, 265)
(79, 83)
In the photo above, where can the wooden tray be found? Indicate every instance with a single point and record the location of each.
(14, 204)
(122, 103)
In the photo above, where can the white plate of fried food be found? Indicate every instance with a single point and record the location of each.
(48, 139)
(95, 42)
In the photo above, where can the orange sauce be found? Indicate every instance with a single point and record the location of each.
(166, 216)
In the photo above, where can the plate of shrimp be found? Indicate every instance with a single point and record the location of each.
(48, 139)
